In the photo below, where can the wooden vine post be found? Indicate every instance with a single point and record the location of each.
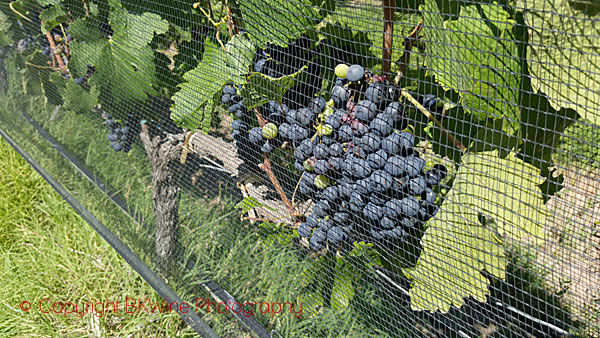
(164, 154)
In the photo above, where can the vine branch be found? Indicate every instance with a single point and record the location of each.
(409, 41)
(388, 35)
(266, 166)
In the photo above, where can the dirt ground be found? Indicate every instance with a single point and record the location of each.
(571, 253)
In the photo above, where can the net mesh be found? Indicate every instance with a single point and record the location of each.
(309, 168)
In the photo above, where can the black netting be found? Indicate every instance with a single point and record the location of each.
(354, 169)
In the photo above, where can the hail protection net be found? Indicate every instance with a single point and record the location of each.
(408, 168)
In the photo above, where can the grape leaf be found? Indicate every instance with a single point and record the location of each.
(262, 88)
(5, 34)
(475, 55)
(52, 17)
(564, 57)
(277, 21)
(457, 247)
(44, 3)
(125, 62)
(78, 99)
(193, 104)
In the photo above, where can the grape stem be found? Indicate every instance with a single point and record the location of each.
(38, 66)
(437, 123)
(388, 35)
(296, 188)
(266, 166)
(10, 5)
(61, 64)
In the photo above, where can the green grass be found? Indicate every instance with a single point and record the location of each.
(48, 251)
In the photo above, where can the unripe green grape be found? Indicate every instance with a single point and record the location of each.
(308, 164)
(340, 70)
(321, 181)
(326, 130)
(269, 131)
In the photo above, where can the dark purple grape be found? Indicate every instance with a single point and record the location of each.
(345, 133)
(370, 142)
(321, 208)
(355, 73)
(357, 202)
(373, 212)
(305, 230)
(317, 105)
(304, 116)
(382, 125)
(428, 197)
(380, 181)
(376, 93)
(267, 148)
(386, 223)
(340, 95)
(297, 133)
(361, 168)
(366, 110)
(322, 167)
(239, 125)
(409, 206)
(321, 151)
(336, 149)
(341, 217)
(396, 166)
(335, 163)
(330, 193)
(417, 185)
(335, 235)
(290, 117)
(392, 208)
(377, 159)
(226, 98)
(334, 120)
(414, 166)
(255, 135)
(378, 198)
(283, 130)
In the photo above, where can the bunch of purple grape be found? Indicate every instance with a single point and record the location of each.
(121, 136)
(358, 163)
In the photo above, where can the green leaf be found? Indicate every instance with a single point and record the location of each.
(5, 35)
(193, 104)
(563, 54)
(125, 63)
(457, 248)
(248, 203)
(475, 55)
(262, 88)
(277, 21)
(336, 37)
(48, 2)
(52, 17)
(78, 99)
(342, 291)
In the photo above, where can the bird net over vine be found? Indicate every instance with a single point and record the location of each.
(323, 168)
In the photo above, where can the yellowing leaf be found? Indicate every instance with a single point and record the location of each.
(457, 248)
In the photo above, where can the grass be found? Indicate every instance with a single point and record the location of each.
(48, 251)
